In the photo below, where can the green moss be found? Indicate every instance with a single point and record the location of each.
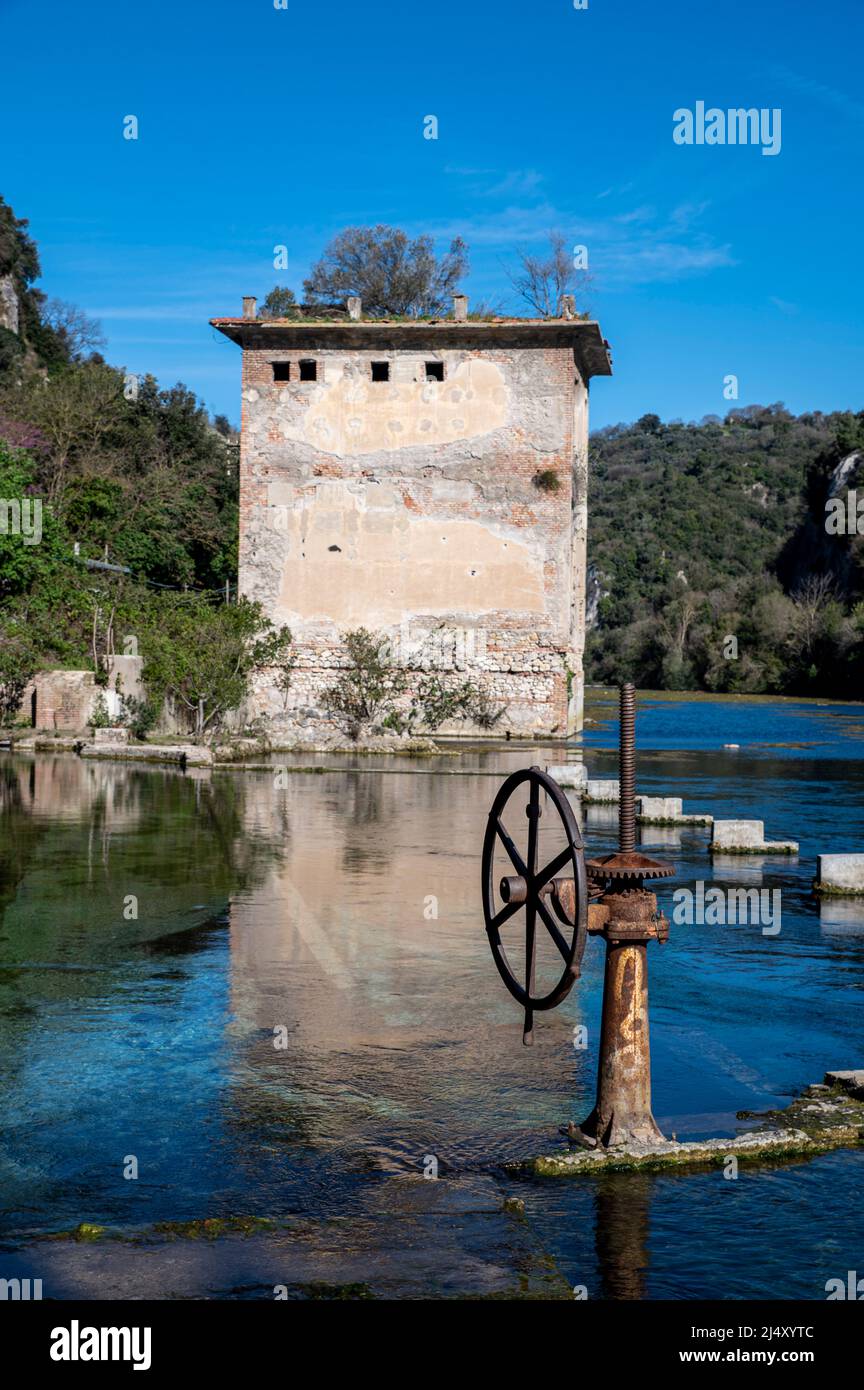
(681, 821)
(752, 849)
(338, 1292)
(86, 1231)
(695, 1158)
(800, 1131)
(514, 1205)
(213, 1227)
(547, 480)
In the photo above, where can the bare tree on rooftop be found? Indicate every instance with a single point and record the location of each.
(541, 280)
(392, 275)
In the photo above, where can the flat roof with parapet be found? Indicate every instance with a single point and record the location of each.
(590, 348)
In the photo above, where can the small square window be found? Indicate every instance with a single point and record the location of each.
(434, 371)
(380, 371)
(308, 371)
(281, 371)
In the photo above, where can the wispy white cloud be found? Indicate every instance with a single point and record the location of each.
(818, 91)
(784, 305)
(641, 214)
(464, 172)
(638, 246)
(518, 183)
(686, 214)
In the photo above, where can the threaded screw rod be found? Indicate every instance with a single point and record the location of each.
(627, 768)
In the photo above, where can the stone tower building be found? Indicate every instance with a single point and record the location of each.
(427, 479)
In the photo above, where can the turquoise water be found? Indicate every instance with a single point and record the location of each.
(299, 915)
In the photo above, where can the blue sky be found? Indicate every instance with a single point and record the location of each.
(261, 126)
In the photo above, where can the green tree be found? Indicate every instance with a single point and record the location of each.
(367, 692)
(19, 661)
(279, 304)
(393, 276)
(203, 656)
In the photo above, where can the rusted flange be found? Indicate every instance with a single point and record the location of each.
(633, 916)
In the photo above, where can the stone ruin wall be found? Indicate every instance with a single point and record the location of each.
(8, 304)
(408, 506)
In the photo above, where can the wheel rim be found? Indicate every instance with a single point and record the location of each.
(571, 941)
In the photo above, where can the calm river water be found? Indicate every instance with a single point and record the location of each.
(239, 983)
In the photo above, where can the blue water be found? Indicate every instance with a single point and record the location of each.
(302, 910)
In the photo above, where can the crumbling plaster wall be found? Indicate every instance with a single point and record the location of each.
(409, 506)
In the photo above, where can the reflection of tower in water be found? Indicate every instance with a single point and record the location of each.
(338, 942)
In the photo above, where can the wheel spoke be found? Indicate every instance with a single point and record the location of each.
(533, 809)
(549, 924)
(504, 915)
(530, 947)
(515, 857)
(552, 868)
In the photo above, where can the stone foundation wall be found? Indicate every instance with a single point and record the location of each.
(529, 686)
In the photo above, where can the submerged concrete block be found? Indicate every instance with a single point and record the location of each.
(738, 834)
(840, 873)
(569, 774)
(747, 837)
(667, 810)
(602, 789)
(659, 808)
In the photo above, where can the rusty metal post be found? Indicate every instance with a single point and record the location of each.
(622, 1113)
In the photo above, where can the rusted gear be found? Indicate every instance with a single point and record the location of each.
(631, 866)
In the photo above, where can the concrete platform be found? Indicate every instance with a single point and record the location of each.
(667, 810)
(602, 791)
(569, 774)
(747, 837)
(827, 1116)
(190, 754)
(842, 874)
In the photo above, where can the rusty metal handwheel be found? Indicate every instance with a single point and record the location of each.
(532, 888)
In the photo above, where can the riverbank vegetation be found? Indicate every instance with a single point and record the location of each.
(710, 564)
(133, 491)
